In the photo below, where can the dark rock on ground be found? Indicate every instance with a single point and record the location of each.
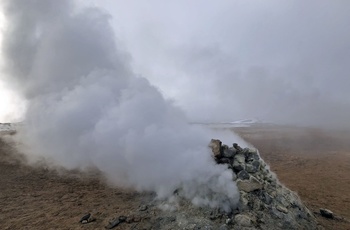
(326, 213)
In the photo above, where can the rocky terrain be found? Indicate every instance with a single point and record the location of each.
(264, 202)
(39, 198)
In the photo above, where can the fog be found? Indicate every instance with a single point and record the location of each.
(277, 61)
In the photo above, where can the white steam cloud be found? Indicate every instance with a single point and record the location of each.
(86, 108)
(279, 61)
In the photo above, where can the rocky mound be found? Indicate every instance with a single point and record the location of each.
(264, 202)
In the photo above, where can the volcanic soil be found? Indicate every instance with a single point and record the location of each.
(312, 162)
(315, 163)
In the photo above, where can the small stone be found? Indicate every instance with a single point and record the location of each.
(256, 164)
(277, 213)
(243, 175)
(116, 222)
(237, 166)
(250, 168)
(85, 218)
(266, 198)
(326, 213)
(239, 158)
(215, 146)
(243, 205)
(243, 220)
(245, 151)
(228, 153)
(122, 218)
(224, 160)
(143, 208)
(249, 185)
(237, 147)
(282, 209)
(252, 156)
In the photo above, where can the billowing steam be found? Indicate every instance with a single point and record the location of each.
(280, 61)
(86, 108)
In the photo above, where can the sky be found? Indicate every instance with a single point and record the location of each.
(278, 61)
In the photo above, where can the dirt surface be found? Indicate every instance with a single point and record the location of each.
(314, 163)
(37, 198)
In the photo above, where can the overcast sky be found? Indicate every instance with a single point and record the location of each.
(279, 61)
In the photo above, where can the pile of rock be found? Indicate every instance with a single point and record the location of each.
(264, 202)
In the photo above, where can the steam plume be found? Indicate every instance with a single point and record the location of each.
(87, 108)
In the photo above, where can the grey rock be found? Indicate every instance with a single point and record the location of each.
(224, 160)
(282, 209)
(215, 146)
(114, 223)
(249, 185)
(237, 166)
(243, 220)
(85, 218)
(245, 151)
(238, 162)
(243, 175)
(243, 205)
(266, 198)
(277, 213)
(240, 158)
(237, 147)
(229, 153)
(250, 168)
(252, 156)
(256, 164)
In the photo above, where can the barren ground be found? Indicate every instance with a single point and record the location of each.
(312, 162)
